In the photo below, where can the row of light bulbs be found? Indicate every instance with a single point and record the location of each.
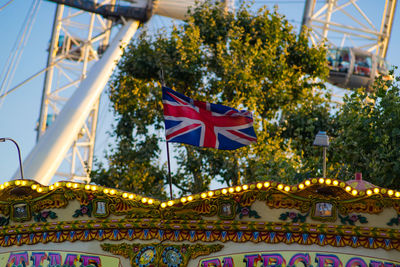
(204, 195)
(285, 188)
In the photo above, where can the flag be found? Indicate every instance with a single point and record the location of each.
(204, 124)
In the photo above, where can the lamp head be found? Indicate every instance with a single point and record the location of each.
(321, 139)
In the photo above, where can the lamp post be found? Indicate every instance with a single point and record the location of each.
(322, 139)
(19, 153)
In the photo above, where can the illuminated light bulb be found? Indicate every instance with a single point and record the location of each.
(376, 190)
(150, 201)
(87, 187)
(51, 187)
(231, 190)
(210, 194)
(259, 185)
(190, 198)
(34, 186)
(170, 203)
(163, 205)
(203, 195)
(287, 188)
(390, 192)
(125, 195)
(106, 190)
(1, 187)
(144, 200)
(131, 196)
(314, 181)
(335, 182)
(57, 184)
(69, 184)
(93, 188)
(113, 192)
(321, 180)
(23, 183)
(348, 188)
(183, 200)
(354, 192)
(75, 186)
(224, 191)
(245, 187)
(328, 181)
(267, 184)
(39, 189)
(369, 192)
(307, 182)
(6, 184)
(17, 182)
(397, 194)
(280, 186)
(301, 186)
(238, 188)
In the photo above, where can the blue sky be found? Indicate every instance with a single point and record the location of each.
(20, 110)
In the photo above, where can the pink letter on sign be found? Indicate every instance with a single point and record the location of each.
(356, 262)
(17, 259)
(304, 258)
(227, 261)
(328, 260)
(54, 259)
(89, 260)
(273, 260)
(250, 260)
(37, 258)
(211, 263)
(70, 260)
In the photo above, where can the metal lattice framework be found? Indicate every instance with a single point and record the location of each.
(78, 40)
(341, 21)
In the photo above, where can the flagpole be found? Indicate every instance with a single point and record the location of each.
(169, 170)
(169, 162)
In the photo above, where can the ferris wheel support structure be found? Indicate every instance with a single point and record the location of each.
(78, 69)
(74, 47)
(47, 155)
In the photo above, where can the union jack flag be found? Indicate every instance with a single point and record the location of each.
(204, 124)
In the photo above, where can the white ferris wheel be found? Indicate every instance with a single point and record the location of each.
(82, 46)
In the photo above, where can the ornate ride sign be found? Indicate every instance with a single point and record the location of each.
(56, 258)
(296, 258)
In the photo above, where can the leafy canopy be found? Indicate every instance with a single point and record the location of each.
(248, 60)
(368, 135)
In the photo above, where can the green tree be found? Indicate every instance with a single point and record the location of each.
(248, 60)
(368, 135)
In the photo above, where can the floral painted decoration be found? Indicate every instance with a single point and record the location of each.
(84, 210)
(44, 215)
(352, 219)
(247, 211)
(395, 220)
(160, 255)
(294, 216)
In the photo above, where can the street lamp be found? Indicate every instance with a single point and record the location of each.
(322, 139)
(19, 153)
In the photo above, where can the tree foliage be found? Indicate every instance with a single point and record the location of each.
(368, 135)
(248, 60)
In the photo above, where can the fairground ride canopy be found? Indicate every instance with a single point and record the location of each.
(319, 222)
